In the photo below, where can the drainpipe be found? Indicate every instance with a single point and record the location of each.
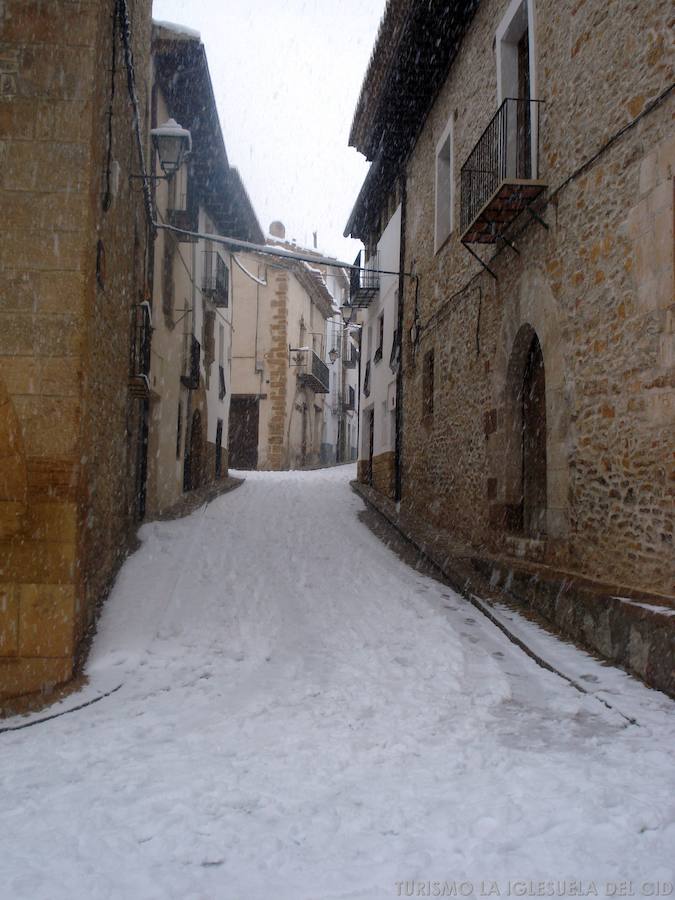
(398, 446)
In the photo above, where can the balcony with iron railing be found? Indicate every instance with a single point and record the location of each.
(500, 177)
(364, 283)
(315, 373)
(216, 283)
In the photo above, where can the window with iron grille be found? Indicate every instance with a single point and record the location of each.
(194, 349)
(216, 279)
(222, 390)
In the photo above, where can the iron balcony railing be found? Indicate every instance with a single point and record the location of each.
(315, 374)
(364, 282)
(508, 150)
(216, 284)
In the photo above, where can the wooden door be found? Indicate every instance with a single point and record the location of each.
(243, 432)
(524, 124)
(192, 470)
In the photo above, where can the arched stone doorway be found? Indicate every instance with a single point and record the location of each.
(194, 461)
(531, 311)
(533, 443)
(526, 433)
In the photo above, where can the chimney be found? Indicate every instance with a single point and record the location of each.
(315, 239)
(277, 230)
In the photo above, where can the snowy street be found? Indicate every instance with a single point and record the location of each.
(300, 722)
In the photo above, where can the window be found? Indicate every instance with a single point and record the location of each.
(366, 380)
(208, 341)
(428, 384)
(380, 337)
(445, 188)
(393, 356)
(179, 428)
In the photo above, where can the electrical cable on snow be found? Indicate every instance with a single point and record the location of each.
(58, 715)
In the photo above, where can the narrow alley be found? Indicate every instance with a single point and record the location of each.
(293, 721)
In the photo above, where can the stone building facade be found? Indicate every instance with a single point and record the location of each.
(537, 396)
(279, 374)
(193, 289)
(72, 282)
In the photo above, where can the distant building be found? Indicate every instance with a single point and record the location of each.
(73, 325)
(376, 296)
(193, 293)
(340, 428)
(279, 374)
(522, 161)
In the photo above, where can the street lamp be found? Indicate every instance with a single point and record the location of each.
(333, 355)
(347, 313)
(172, 144)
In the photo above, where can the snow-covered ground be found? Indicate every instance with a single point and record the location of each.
(301, 719)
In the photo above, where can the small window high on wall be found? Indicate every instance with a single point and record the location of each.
(445, 188)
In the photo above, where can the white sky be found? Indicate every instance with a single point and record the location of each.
(286, 77)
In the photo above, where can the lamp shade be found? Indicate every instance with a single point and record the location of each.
(347, 312)
(172, 144)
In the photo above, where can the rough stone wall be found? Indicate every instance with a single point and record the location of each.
(384, 473)
(277, 360)
(64, 337)
(596, 287)
(111, 416)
